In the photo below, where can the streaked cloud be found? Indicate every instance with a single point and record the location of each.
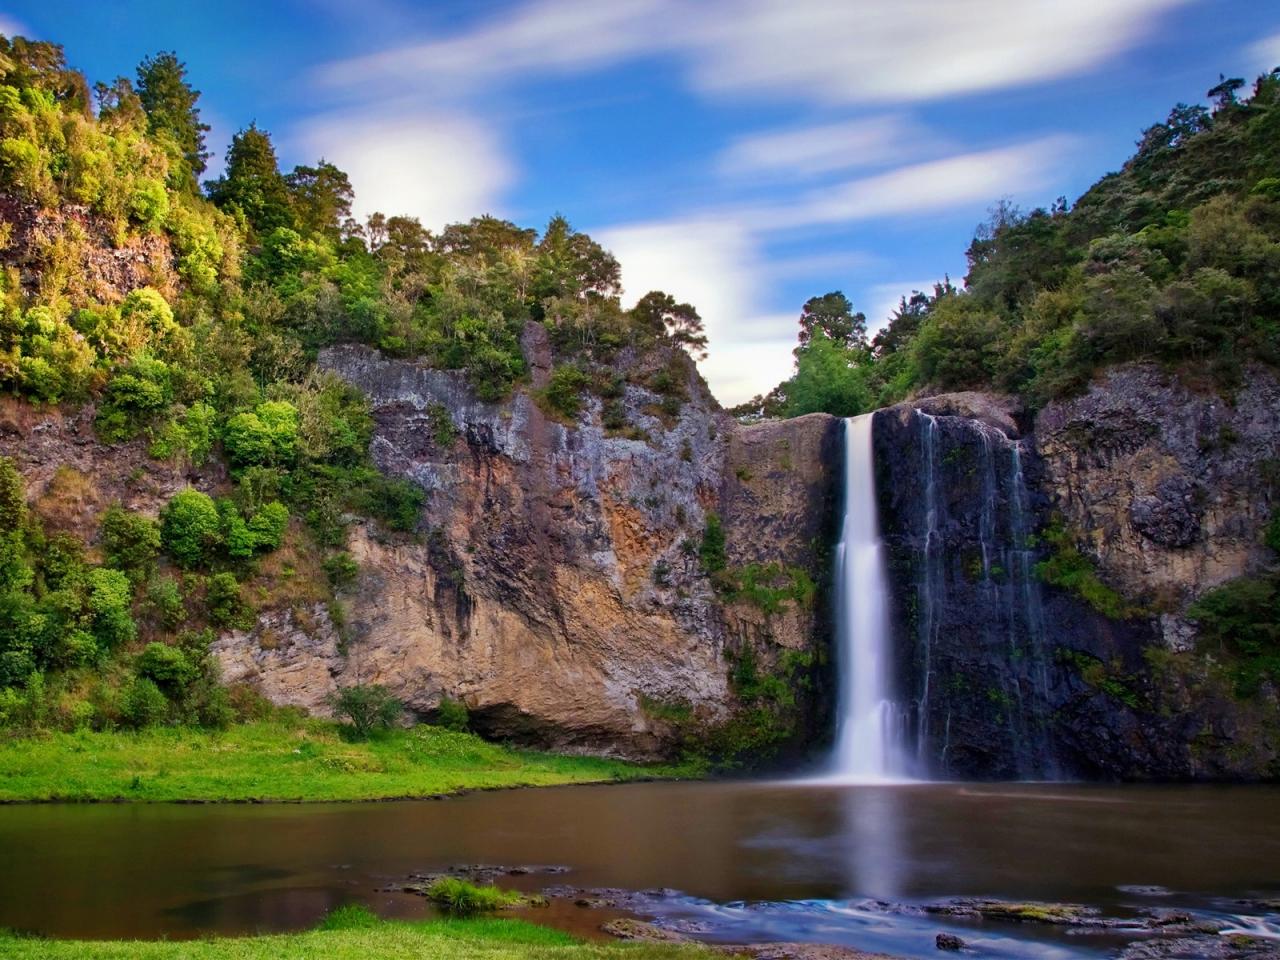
(909, 50)
(439, 167)
(923, 188)
(11, 27)
(810, 50)
(813, 150)
(885, 299)
(543, 36)
(1264, 54)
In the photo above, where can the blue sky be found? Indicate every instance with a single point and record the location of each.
(740, 154)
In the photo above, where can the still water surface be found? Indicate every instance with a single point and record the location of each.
(754, 861)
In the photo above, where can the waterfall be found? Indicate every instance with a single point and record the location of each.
(872, 727)
(980, 624)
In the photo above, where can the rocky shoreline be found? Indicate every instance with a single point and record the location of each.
(1243, 929)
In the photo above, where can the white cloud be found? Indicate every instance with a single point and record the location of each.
(1264, 54)
(440, 168)
(807, 151)
(543, 36)
(885, 298)
(718, 266)
(860, 52)
(10, 27)
(871, 51)
(969, 178)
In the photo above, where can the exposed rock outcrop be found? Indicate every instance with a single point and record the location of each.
(70, 244)
(555, 586)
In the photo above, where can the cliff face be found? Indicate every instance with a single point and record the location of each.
(1158, 492)
(555, 585)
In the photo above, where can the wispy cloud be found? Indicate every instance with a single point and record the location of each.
(923, 188)
(11, 27)
(809, 151)
(439, 167)
(1264, 54)
(543, 36)
(909, 50)
(811, 50)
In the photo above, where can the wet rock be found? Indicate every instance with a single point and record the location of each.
(1203, 948)
(1057, 914)
(995, 410)
(807, 951)
(948, 941)
(629, 928)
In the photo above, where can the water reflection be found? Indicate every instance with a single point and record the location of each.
(874, 857)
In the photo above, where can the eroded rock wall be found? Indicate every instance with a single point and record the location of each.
(554, 585)
(1160, 489)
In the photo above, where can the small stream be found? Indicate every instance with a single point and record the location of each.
(731, 862)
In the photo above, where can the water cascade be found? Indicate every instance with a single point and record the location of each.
(980, 626)
(872, 728)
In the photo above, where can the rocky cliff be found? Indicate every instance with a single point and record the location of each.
(555, 584)
(1149, 494)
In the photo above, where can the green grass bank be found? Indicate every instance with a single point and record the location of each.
(283, 760)
(481, 938)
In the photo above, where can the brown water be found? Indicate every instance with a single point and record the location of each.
(753, 861)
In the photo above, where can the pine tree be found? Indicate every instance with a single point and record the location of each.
(170, 103)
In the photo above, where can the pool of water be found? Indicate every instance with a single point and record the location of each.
(751, 861)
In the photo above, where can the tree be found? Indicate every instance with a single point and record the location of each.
(368, 707)
(659, 314)
(321, 197)
(830, 378)
(252, 185)
(832, 313)
(1224, 92)
(170, 104)
(190, 527)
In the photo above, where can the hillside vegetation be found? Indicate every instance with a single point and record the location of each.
(1173, 259)
(190, 318)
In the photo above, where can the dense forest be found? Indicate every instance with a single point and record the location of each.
(211, 361)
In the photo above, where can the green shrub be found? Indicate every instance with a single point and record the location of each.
(168, 667)
(711, 552)
(164, 596)
(143, 705)
(110, 598)
(225, 602)
(1272, 535)
(130, 541)
(1068, 568)
(466, 899)
(443, 429)
(366, 708)
(190, 528)
(267, 436)
(452, 715)
(341, 569)
(268, 524)
(1242, 619)
(394, 501)
(563, 392)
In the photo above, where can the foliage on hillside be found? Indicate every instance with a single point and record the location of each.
(1173, 259)
(212, 359)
